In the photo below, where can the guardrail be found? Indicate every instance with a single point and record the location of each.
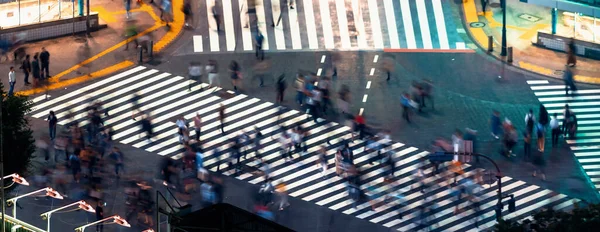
(16, 225)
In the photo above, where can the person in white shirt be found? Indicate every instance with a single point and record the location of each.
(555, 127)
(11, 80)
(195, 73)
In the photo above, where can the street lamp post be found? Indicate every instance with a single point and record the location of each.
(80, 204)
(49, 192)
(503, 50)
(15, 178)
(116, 219)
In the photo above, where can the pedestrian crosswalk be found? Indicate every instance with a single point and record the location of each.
(166, 97)
(586, 144)
(325, 25)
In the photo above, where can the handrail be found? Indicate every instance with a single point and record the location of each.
(175, 198)
(25, 226)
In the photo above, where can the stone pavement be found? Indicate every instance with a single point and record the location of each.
(520, 34)
(73, 60)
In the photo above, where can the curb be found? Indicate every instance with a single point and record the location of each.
(470, 15)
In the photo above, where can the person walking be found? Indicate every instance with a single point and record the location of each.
(567, 112)
(281, 86)
(188, 13)
(216, 14)
(12, 78)
(26, 67)
(128, 9)
(197, 126)
(322, 161)
(569, 81)
(195, 73)
(281, 192)
(99, 215)
(527, 145)
(236, 75)
(495, 124)
(543, 116)
(541, 136)
(45, 62)
(35, 70)
(52, 120)
(131, 32)
(222, 118)
(529, 121)
(555, 127)
(213, 74)
(259, 40)
(571, 53)
(118, 159)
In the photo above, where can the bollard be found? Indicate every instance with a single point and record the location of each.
(151, 49)
(141, 60)
(490, 43)
(510, 55)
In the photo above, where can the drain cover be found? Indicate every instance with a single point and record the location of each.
(559, 72)
(477, 24)
(529, 17)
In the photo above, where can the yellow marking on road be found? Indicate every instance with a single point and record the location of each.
(80, 79)
(535, 68)
(587, 79)
(176, 27)
(471, 17)
(104, 14)
(533, 31)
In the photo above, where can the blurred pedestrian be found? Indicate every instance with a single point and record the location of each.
(99, 216)
(222, 118)
(527, 145)
(555, 127)
(35, 70)
(26, 67)
(216, 14)
(213, 74)
(52, 121)
(166, 12)
(235, 73)
(571, 53)
(495, 124)
(427, 92)
(543, 116)
(259, 40)
(45, 63)
(567, 112)
(12, 78)
(195, 74)
(197, 127)
(130, 33)
(118, 159)
(299, 86)
(541, 136)
(569, 81)
(188, 12)
(280, 88)
(530, 121)
(282, 195)
(128, 8)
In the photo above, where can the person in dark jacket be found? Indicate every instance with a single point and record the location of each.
(543, 116)
(35, 68)
(45, 62)
(26, 66)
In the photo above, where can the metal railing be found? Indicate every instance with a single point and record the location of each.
(16, 225)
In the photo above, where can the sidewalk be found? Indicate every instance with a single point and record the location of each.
(72, 60)
(523, 22)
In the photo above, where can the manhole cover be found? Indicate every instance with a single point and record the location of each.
(559, 72)
(529, 17)
(494, 4)
(477, 24)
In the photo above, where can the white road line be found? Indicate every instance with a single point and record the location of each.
(361, 111)
(372, 72)
(89, 87)
(311, 28)
(375, 58)
(245, 24)
(424, 24)
(198, 43)
(229, 25)
(368, 84)
(365, 98)
(537, 82)
(278, 29)
(359, 24)
(326, 24)
(85, 97)
(408, 25)
(262, 23)
(461, 45)
(294, 29)
(562, 93)
(547, 87)
(440, 23)
(319, 71)
(323, 59)
(213, 35)
(375, 24)
(391, 23)
(340, 6)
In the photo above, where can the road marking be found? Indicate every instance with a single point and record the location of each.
(375, 24)
(262, 22)
(319, 71)
(391, 22)
(365, 98)
(537, 82)
(372, 72)
(343, 23)
(311, 30)
(408, 25)
(361, 111)
(229, 25)
(368, 84)
(323, 59)
(359, 24)
(375, 59)
(418, 50)
(326, 23)
(440, 23)
(197, 43)
(278, 29)
(212, 30)
(424, 24)
(294, 29)
(245, 21)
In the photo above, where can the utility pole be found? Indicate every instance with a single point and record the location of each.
(87, 18)
(503, 50)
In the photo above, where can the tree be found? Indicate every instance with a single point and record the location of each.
(580, 219)
(17, 137)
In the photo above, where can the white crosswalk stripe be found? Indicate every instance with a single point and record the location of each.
(586, 136)
(395, 204)
(328, 24)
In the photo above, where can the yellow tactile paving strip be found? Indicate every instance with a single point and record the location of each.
(176, 27)
(479, 35)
